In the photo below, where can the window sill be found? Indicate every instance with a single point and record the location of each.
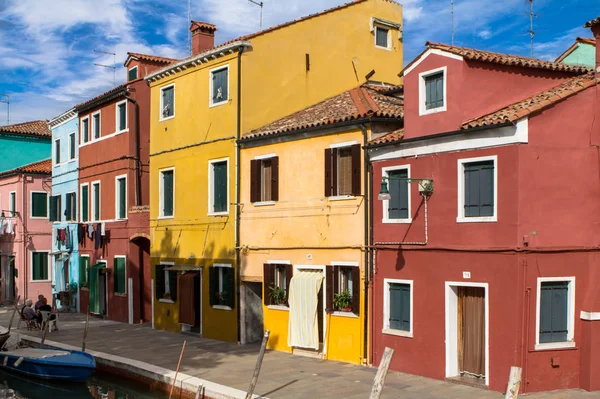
(265, 203)
(398, 333)
(341, 198)
(221, 307)
(218, 213)
(383, 48)
(554, 345)
(219, 103)
(166, 217)
(432, 110)
(397, 221)
(166, 301)
(167, 118)
(345, 314)
(72, 160)
(483, 219)
(278, 307)
(84, 289)
(40, 281)
(121, 295)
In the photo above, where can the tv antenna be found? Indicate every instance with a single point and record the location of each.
(7, 102)
(452, 16)
(260, 4)
(108, 66)
(189, 23)
(531, 31)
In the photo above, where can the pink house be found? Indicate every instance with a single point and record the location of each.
(25, 232)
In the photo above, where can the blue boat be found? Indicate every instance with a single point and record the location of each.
(49, 364)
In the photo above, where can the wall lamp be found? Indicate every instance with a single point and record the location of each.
(425, 186)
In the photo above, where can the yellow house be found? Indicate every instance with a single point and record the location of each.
(304, 221)
(201, 105)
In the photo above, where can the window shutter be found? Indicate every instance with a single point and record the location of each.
(329, 172)
(356, 290)
(356, 150)
(168, 193)
(122, 115)
(220, 187)
(229, 286)
(268, 279)
(39, 206)
(471, 191)
(329, 287)
(289, 273)
(122, 198)
(96, 210)
(275, 179)
(159, 281)
(398, 204)
(84, 203)
(255, 180)
(83, 266)
(336, 280)
(213, 285)
(119, 275)
(68, 215)
(94, 300)
(486, 190)
(173, 275)
(53, 203)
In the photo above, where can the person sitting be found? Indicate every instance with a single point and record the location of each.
(38, 303)
(46, 308)
(28, 312)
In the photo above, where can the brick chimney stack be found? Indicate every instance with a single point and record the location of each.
(594, 25)
(203, 36)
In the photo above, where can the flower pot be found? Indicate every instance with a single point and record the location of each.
(348, 309)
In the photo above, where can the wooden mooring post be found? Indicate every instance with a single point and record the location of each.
(514, 383)
(384, 365)
(45, 331)
(12, 318)
(259, 361)
(85, 330)
(177, 371)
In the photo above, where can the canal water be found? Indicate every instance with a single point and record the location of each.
(96, 387)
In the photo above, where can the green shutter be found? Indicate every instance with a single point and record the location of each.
(213, 285)
(119, 276)
(54, 208)
(96, 193)
(168, 103)
(159, 281)
(398, 204)
(122, 199)
(220, 86)
(94, 294)
(72, 145)
(220, 186)
(173, 284)
(57, 151)
(85, 130)
(381, 37)
(84, 263)
(479, 189)
(13, 203)
(122, 115)
(434, 91)
(39, 265)
(84, 203)
(39, 206)
(554, 302)
(167, 193)
(68, 206)
(132, 75)
(399, 307)
(229, 286)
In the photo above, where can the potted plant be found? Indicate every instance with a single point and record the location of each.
(84, 284)
(343, 301)
(277, 295)
(167, 295)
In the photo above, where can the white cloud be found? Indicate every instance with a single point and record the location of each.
(485, 34)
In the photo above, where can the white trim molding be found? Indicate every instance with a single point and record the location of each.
(266, 156)
(114, 275)
(423, 92)
(117, 130)
(343, 144)
(279, 262)
(49, 263)
(386, 203)
(210, 85)
(81, 202)
(31, 192)
(211, 194)
(117, 198)
(460, 193)
(376, 26)
(74, 143)
(590, 316)
(386, 308)
(93, 202)
(570, 342)
(81, 140)
(426, 54)
(93, 125)
(160, 111)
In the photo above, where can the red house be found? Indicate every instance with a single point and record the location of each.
(114, 243)
(489, 258)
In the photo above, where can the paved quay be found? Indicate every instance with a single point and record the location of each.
(282, 375)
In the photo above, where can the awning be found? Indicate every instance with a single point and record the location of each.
(303, 326)
(183, 268)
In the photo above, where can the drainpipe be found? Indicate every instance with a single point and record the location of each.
(237, 191)
(138, 189)
(366, 205)
(24, 235)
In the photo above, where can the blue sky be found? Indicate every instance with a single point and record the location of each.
(46, 46)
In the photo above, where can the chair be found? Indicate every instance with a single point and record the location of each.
(46, 315)
(31, 324)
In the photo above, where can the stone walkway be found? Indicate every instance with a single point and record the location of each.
(282, 375)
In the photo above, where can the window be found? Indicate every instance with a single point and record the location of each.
(39, 266)
(84, 266)
(432, 91)
(55, 206)
(218, 187)
(132, 74)
(39, 204)
(264, 185)
(85, 200)
(382, 37)
(12, 202)
(120, 275)
(166, 282)
(167, 191)
(344, 295)
(397, 307)
(85, 132)
(95, 201)
(277, 277)
(71, 206)
(96, 125)
(477, 189)
(121, 116)
(555, 309)
(397, 209)
(342, 170)
(72, 146)
(56, 151)
(219, 86)
(121, 197)
(222, 286)
(167, 102)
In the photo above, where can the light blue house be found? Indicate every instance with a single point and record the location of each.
(66, 276)
(582, 52)
(23, 144)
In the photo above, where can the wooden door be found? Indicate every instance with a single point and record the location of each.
(471, 331)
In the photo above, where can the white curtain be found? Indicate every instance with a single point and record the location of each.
(303, 327)
(59, 275)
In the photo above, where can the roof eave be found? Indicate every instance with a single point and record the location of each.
(122, 92)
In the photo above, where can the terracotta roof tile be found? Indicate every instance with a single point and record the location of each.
(591, 23)
(586, 40)
(151, 58)
(114, 90)
(390, 137)
(34, 128)
(358, 103)
(40, 167)
(533, 104)
(506, 59)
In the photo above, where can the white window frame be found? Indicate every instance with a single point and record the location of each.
(386, 308)
(87, 271)
(99, 113)
(55, 154)
(355, 312)
(117, 199)
(263, 158)
(210, 84)
(385, 203)
(93, 202)
(31, 192)
(47, 252)
(423, 92)
(570, 343)
(117, 117)
(461, 218)
(221, 267)
(167, 286)
(211, 194)
(389, 36)
(136, 72)
(72, 141)
(114, 274)
(160, 111)
(76, 210)
(12, 211)
(341, 197)
(81, 140)
(160, 193)
(80, 212)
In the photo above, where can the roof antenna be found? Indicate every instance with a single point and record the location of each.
(108, 66)
(531, 31)
(260, 4)
(7, 102)
(452, 13)
(189, 24)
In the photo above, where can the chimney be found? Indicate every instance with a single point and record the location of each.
(594, 25)
(203, 36)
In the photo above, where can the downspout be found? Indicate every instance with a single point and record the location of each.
(138, 188)
(24, 219)
(367, 194)
(237, 191)
(373, 254)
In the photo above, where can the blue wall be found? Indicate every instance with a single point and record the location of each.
(16, 151)
(65, 180)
